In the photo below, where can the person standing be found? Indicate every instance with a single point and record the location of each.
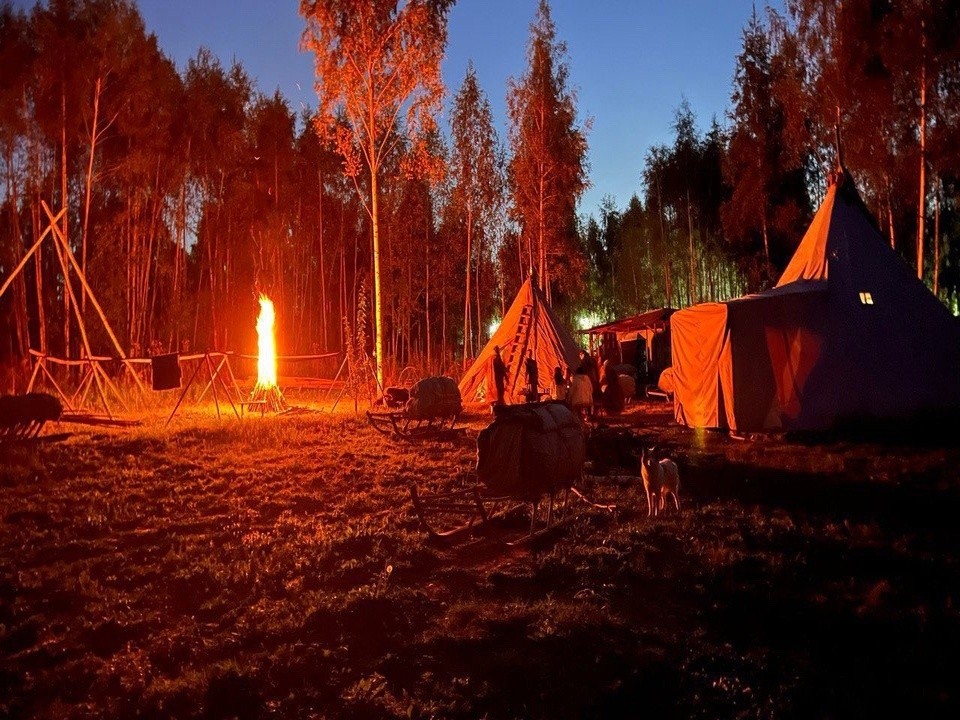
(559, 384)
(533, 379)
(613, 400)
(499, 374)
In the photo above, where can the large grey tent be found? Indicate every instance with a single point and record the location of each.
(530, 327)
(848, 333)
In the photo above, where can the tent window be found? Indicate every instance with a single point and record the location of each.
(866, 298)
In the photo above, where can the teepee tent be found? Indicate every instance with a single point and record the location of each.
(530, 327)
(848, 333)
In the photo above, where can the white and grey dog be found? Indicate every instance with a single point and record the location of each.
(661, 478)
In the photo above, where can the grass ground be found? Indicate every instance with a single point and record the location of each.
(274, 568)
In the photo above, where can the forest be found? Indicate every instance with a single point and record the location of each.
(189, 191)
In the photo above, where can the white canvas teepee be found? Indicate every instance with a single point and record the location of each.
(529, 328)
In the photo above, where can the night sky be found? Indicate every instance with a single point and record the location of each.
(631, 61)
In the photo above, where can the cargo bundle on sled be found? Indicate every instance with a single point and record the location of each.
(529, 454)
(433, 405)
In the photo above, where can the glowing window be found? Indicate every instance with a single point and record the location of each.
(866, 298)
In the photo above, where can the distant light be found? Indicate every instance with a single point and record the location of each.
(588, 320)
(866, 298)
(493, 326)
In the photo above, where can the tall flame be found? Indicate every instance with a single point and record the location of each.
(266, 348)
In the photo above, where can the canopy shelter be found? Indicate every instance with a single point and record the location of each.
(848, 333)
(529, 328)
(640, 340)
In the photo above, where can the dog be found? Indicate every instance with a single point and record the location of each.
(660, 479)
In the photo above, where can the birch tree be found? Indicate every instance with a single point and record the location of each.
(378, 70)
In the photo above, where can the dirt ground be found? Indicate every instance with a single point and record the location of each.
(274, 568)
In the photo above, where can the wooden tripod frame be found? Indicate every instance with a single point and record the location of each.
(95, 374)
(214, 376)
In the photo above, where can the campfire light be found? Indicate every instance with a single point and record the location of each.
(266, 393)
(266, 347)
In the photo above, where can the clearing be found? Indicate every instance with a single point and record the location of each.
(274, 568)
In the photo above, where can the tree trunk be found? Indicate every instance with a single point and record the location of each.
(467, 325)
(936, 238)
(86, 204)
(38, 267)
(541, 255)
(663, 246)
(443, 318)
(921, 204)
(693, 273)
(766, 239)
(426, 302)
(890, 230)
(21, 325)
(476, 286)
(323, 277)
(64, 200)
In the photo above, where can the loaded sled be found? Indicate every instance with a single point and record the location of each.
(433, 406)
(529, 458)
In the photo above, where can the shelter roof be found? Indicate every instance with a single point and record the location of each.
(793, 288)
(643, 321)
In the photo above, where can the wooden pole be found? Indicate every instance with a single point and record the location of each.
(233, 380)
(23, 261)
(112, 385)
(79, 395)
(33, 377)
(216, 375)
(213, 384)
(72, 299)
(59, 390)
(183, 393)
(226, 388)
(93, 298)
(334, 382)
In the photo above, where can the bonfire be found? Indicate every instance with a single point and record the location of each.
(266, 390)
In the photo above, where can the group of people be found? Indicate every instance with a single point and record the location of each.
(588, 388)
(606, 393)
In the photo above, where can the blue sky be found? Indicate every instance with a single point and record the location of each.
(631, 61)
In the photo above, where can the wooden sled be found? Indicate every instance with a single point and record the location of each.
(399, 424)
(528, 458)
(454, 513)
(22, 417)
